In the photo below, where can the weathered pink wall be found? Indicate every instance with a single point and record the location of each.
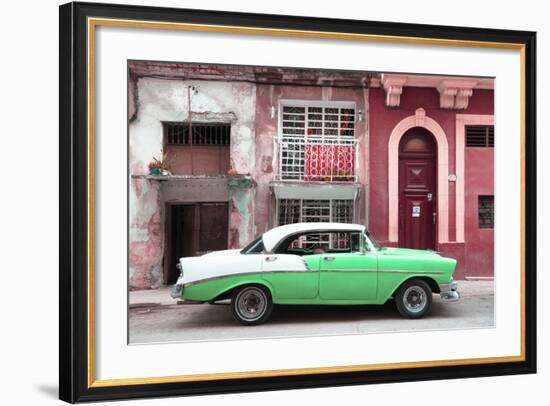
(154, 101)
(382, 121)
(266, 129)
(146, 248)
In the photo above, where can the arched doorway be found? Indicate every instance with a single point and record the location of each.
(417, 189)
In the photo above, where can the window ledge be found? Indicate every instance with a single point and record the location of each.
(315, 190)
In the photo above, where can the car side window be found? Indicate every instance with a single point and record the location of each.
(322, 242)
(299, 245)
(355, 242)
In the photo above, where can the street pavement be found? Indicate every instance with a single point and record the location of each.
(155, 317)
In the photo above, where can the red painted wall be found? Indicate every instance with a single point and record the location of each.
(382, 121)
(479, 242)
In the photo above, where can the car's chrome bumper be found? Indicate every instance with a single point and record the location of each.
(177, 290)
(449, 292)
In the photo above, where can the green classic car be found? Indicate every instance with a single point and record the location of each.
(316, 263)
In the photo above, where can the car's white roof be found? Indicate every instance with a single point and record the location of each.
(272, 237)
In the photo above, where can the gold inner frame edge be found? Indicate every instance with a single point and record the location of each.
(93, 22)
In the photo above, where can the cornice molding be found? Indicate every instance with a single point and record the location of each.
(455, 94)
(393, 86)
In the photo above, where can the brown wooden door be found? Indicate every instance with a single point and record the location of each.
(417, 190)
(194, 229)
(213, 227)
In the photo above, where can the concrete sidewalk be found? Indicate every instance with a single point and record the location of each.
(152, 297)
(161, 296)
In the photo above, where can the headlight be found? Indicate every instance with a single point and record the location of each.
(178, 266)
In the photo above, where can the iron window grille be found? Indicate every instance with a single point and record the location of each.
(317, 142)
(486, 211)
(480, 136)
(316, 211)
(202, 133)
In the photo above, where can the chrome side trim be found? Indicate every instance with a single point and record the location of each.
(384, 271)
(188, 284)
(411, 271)
(348, 270)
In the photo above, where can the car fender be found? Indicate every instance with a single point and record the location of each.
(213, 289)
(251, 281)
(388, 291)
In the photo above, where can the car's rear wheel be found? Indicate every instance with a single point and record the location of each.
(251, 305)
(414, 299)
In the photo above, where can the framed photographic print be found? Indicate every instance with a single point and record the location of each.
(257, 202)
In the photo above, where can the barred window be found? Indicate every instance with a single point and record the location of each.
(317, 142)
(203, 133)
(306, 243)
(329, 121)
(316, 211)
(486, 211)
(480, 136)
(197, 148)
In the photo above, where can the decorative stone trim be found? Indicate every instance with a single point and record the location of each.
(455, 94)
(420, 117)
(393, 85)
(447, 97)
(462, 97)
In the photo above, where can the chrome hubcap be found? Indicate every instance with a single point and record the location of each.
(415, 299)
(251, 304)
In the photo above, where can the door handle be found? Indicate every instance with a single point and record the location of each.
(329, 258)
(434, 216)
(270, 259)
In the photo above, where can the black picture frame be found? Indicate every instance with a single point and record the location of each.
(74, 385)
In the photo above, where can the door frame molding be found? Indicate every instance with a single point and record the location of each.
(419, 119)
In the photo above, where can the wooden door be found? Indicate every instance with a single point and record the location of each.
(213, 227)
(417, 190)
(194, 229)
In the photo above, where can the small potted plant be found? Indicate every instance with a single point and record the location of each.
(158, 166)
(154, 168)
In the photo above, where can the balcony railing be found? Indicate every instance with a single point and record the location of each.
(315, 158)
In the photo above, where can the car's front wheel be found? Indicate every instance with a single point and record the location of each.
(251, 305)
(413, 299)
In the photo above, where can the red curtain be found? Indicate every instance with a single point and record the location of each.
(329, 163)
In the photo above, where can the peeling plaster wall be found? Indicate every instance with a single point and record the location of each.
(159, 100)
(241, 215)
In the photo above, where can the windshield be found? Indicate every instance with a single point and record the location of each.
(255, 247)
(375, 243)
